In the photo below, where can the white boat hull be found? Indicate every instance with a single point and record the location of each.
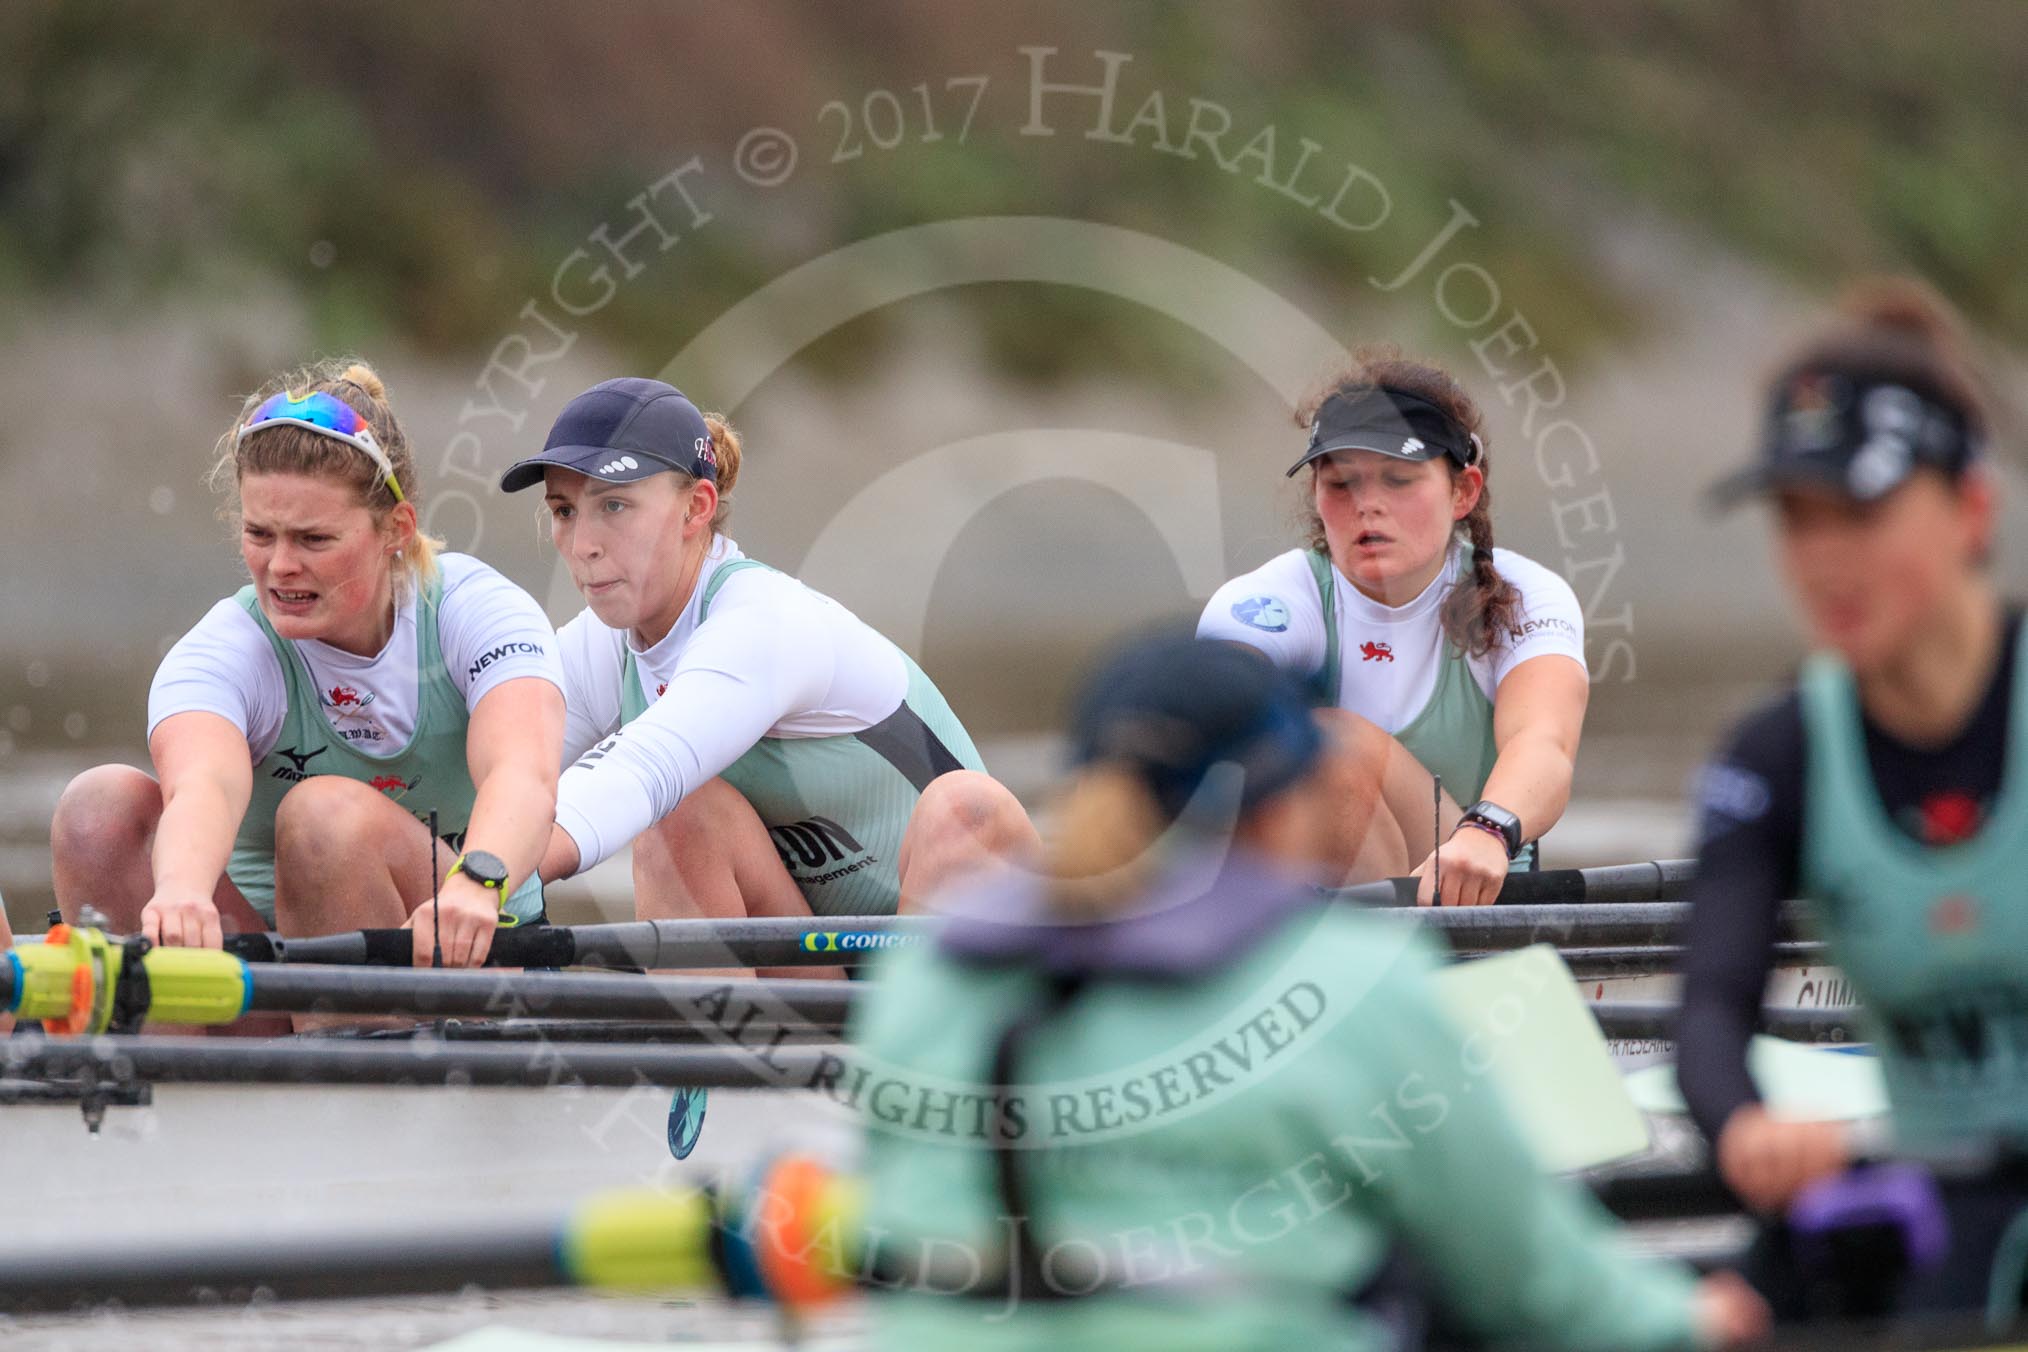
(224, 1159)
(1813, 987)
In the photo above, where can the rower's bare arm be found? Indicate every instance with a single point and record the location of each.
(1538, 716)
(561, 859)
(513, 746)
(206, 773)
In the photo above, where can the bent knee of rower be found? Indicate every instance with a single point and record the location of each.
(713, 800)
(706, 820)
(1352, 731)
(961, 804)
(326, 814)
(108, 809)
(1362, 744)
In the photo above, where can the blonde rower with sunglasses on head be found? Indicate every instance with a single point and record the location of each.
(304, 731)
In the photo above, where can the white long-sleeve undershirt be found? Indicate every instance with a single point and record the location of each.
(773, 659)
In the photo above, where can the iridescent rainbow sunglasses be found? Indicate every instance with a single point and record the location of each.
(326, 414)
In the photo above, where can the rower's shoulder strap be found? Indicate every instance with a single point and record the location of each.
(725, 570)
(1838, 793)
(1324, 685)
(295, 672)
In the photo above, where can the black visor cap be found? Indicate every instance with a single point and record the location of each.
(1392, 422)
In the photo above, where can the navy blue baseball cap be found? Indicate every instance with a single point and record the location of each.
(1173, 707)
(1858, 433)
(623, 430)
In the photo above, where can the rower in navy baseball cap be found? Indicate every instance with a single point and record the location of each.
(1857, 429)
(623, 430)
(1171, 707)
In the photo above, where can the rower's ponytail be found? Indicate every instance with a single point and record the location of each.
(1100, 848)
(1905, 305)
(725, 444)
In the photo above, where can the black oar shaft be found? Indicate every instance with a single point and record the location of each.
(754, 1034)
(196, 1060)
(493, 1255)
(1608, 939)
(773, 941)
(1671, 1196)
(848, 940)
(1653, 880)
(378, 990)
(783, 942)
(648, 945)
(236, 1271)
(1582, 925)
(756, 1058)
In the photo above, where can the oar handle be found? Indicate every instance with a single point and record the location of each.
(1654, 880)
(1566, 885)
(1551, 884)
(535, 946)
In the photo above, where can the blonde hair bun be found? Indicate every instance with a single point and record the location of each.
(360, 374)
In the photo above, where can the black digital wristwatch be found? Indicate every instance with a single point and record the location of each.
(1498, 820)
(487, 870)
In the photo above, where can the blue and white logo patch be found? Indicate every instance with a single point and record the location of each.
(1262, 612)
(1731, 795)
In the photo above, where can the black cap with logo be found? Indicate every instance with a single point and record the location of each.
(1858, 434)
(1392, 422)
(623, 430)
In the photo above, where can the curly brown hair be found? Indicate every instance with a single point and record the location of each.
(1475, 617)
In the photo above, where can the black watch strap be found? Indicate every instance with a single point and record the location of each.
(1489, 813)
(487, 870)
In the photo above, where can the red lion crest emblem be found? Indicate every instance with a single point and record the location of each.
(344, 694)
(1953, 914)
(388, 783)
(1376, 652)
